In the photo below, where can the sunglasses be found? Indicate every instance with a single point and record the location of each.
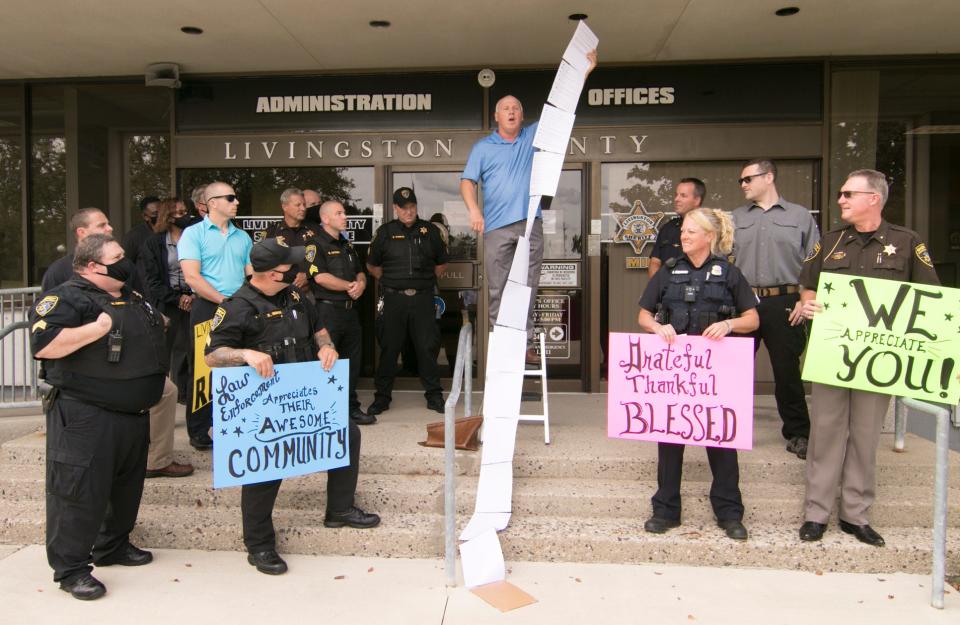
(850, 194)
(229, 198)
(749, 179)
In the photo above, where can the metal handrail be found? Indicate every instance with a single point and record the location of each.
(462, 377)
(18, 369)
(941, 475)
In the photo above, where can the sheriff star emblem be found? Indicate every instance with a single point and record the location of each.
(890, 249)
(639, 227)
(423, 229)
(281, 242)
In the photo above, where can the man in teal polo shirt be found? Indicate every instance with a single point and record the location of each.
(215, 259)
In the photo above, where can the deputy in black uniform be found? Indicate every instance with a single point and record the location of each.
(268, 322)
(406, 256)
(690, 194)
(700, 293)
(338, 283)
(105, 355)
(294, 230)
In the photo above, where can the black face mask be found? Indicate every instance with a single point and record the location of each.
(183, 222)
(288, 276)
(152, 220)
(120, 270)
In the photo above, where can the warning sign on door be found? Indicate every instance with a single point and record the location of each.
(551, 316)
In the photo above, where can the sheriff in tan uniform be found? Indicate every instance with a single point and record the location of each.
(845, 423)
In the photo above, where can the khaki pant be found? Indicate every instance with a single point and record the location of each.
(844, 433)
(162, 417)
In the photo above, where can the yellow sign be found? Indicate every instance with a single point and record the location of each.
(638, 262)
(202, 378)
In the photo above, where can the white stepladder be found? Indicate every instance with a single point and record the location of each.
(542, 372)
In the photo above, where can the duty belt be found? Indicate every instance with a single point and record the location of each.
(773, 291)
(339, 303)
(407, 292)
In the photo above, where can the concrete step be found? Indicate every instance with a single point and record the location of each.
(576, 451)
(896, 506)
(544, 539)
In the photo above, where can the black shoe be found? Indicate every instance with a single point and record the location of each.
(359, 417)
(126, 556)
(436, 404)
(354, 517)
(85, 587)
(863, 533)
(734, 529)
(811, 531)
(201, 442)
(798, 445)
(659, 525)
(376, 408)
(268, 562)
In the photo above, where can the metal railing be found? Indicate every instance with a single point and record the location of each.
(18, 369)
(462, 378)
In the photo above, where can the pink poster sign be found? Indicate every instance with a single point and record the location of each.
(695, 391)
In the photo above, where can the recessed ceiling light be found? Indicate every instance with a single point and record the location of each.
(577, 17)
(787, 11)
(379, 24)
(191, 30)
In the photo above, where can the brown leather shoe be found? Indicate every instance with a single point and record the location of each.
(531, 357)
(174, 469)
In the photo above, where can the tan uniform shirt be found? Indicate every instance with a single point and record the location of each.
(892, 253)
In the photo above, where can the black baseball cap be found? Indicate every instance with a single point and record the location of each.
(270, 253)
(404, 196)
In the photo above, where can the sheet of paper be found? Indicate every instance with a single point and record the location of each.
(567, 87)
(482, 560)
(583, 41)
(514, 306)
(504, 596)
(505, 350)
(545, 175)
(457, 214)
(532, 207)
(499, 440)
(550, 222)
(520, 267)
(502, 401)
(553, 130)
(482, 521)
(495, 488)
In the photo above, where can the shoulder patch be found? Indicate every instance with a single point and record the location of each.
(47, 304)
(217, 318)
(813, 254)
(922, 255)
(311, 252)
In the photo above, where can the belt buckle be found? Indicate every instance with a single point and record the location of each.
(409, 292)
(348, 304)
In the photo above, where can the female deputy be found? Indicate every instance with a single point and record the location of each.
(699, 293)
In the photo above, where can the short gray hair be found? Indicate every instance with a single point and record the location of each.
(289, 193)
(876, 181)
(90, 250)
(197, 196)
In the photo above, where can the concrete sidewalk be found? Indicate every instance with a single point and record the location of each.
(183, 586)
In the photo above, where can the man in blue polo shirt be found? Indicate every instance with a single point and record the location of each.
(503, 162)
(215, 259)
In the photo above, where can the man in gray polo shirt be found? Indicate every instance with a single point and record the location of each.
(773, 238)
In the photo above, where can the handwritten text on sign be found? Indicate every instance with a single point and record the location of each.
(693, 392)
(886, 336)
(270, 428)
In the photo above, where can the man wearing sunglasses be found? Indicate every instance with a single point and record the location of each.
(215, 259)
(846, 423)
(773, 238)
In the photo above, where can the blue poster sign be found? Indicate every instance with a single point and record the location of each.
(296, 422)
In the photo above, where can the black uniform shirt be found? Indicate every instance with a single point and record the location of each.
(743, 297)
(667, 245)
(408, 255)
(337, 257)
(892, 253)
(234, 324)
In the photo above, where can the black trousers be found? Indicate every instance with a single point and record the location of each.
(785, 343)
(180, 346)
(257, 500)
(724, 492)
(96, 461)
(347, 336)
(199, 407)
(416, 316)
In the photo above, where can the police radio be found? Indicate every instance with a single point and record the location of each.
(690, 294)
(114, 346)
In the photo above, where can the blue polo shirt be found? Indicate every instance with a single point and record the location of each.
(222, 258)
(504, 169)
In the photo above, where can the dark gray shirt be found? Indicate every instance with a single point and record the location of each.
(770, 245)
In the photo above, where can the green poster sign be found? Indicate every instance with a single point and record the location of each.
(886, 336)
